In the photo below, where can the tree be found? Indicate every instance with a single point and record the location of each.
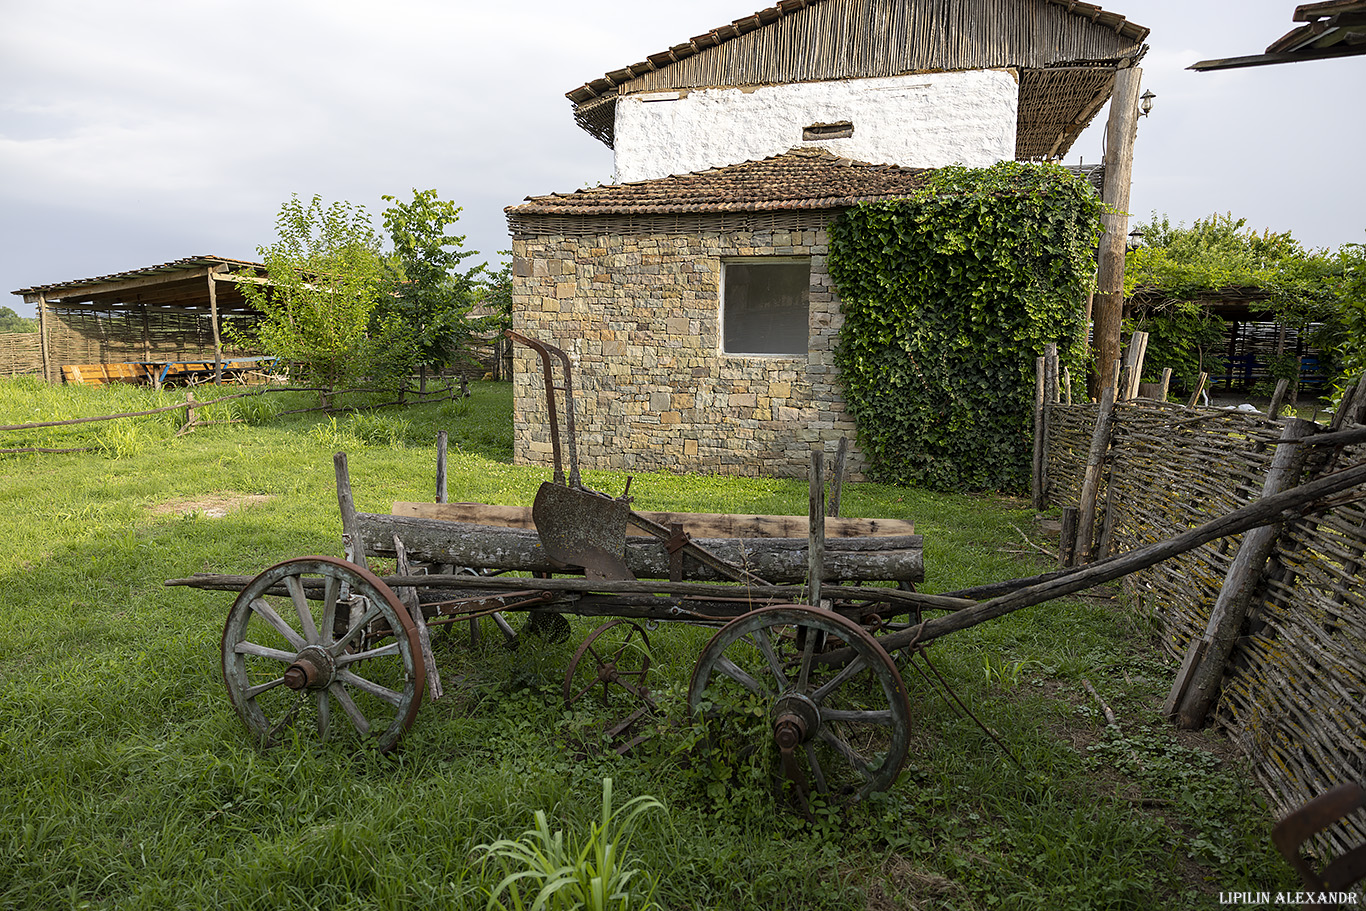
(1350, 344)
(13, 322)
(326, 275)
(1304, 290)
(424, 319)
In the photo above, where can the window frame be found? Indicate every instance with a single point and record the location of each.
(775, 260)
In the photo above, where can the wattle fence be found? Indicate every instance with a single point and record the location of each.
(1293, 693)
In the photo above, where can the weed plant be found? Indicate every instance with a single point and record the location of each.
(126, 780)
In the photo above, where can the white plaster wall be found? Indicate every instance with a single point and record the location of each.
(927, 120)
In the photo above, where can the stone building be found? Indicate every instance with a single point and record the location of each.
(693, 296)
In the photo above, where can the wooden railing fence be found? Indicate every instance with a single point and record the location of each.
(1278, 637)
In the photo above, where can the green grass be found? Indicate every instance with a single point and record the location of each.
(126, 781)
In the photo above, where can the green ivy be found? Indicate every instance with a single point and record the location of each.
(948, 298)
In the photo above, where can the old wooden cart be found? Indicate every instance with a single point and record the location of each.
(803, 639)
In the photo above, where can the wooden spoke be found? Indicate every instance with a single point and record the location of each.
(298, 679)
(384, 651)
(775, 664)
(262, 607)
(324, 709)
(847, 672)
(349, 708)
(732, 670)
(374, 689)
(849, 753)
(331, 592)
(296, 594)
(253, 691)
(883, 717)
(261, 651)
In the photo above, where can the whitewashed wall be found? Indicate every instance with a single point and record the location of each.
(926, 120)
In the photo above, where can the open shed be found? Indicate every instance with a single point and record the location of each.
(164, 314)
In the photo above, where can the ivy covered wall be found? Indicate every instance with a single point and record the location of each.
(948, 298)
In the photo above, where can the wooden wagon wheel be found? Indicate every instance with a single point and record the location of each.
(286, 665)
(612, 662)
(841, 731)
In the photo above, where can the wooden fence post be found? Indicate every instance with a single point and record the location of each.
(1095, 460)
(1199, 388)
(1194, 694)
(1273, 410)
(1067, 537)
(815, 553)
(1036, 477)
(832, 507)
(351, 539)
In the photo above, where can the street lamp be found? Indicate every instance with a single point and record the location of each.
(1145, 103)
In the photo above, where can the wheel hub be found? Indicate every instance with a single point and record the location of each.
(796, 719)
(314, 668)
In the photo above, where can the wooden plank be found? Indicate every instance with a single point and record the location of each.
(696, 524)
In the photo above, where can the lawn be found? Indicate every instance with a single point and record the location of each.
(126, 780)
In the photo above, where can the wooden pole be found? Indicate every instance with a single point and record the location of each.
(1067, 537)
(815, 551)
(44, 349)
(1199, 388)
(1121, 130)
(1273, 410)
(351, 537)
(1036, 475)
(832, 508)
(441, 445)
(217, 340)
(1095, 460)
(1230, 608)
(1133, 363)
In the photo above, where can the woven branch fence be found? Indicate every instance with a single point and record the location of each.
(1293, 697)
(20, 352)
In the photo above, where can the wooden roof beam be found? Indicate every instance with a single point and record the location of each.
(78, 289)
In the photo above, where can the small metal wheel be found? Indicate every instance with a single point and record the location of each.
(287, 664)
(841, 732)
(613, 661)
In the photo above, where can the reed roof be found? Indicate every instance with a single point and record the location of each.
(179, 283)
(1066, 52)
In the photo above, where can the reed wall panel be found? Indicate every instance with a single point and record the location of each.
(87, 335)
(20, 352)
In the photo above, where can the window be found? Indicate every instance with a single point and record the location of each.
(817, 131)
(764, 304)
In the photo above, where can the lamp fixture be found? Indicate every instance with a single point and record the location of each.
(1145, 103)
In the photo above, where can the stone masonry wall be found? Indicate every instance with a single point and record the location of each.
(638, 312)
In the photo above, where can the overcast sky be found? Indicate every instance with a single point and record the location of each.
(145, 131)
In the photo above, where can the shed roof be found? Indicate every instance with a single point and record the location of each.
(179, 283)
(803, 178)
(1066, 51)
(1336, 28)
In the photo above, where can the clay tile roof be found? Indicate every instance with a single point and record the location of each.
(804, 178)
